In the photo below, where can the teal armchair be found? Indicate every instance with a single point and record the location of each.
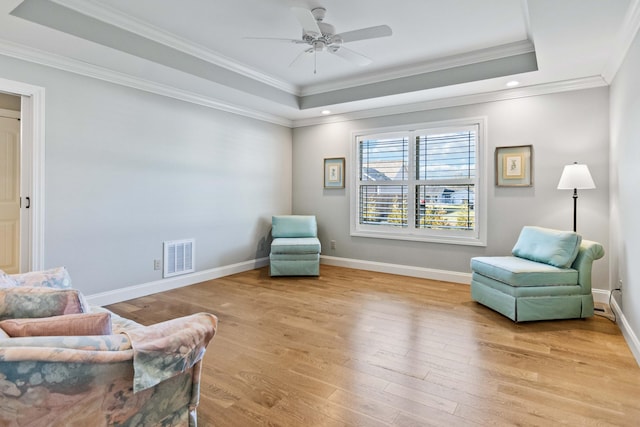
(295, 249)
(547, 277)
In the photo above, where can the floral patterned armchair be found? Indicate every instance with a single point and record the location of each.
(120, 374)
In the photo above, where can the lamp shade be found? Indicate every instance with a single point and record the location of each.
(576, 176)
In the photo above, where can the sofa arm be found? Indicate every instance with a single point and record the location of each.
(166, 349)
(589, 252)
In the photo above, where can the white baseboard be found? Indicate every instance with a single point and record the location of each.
(627, 331)
(403, 270)
(137, 291)
(600, 296)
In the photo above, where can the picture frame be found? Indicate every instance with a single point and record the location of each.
(514, 166)
(334, 172)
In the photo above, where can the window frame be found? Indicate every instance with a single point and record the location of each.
(476, 237)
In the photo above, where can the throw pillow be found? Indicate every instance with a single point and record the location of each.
(7, 281)
(553, 247)
(57, 278)
(27, 302)
(66, 325)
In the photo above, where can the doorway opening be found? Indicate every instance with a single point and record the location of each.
(11, 211)
(27, 178)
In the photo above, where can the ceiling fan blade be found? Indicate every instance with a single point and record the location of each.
(365, 33)
(307, 20)
(277, 39)
(351, 56)
(300, 56)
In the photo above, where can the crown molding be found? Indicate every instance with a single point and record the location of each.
(22, 52)
(623, 42)
(500, 95)
(482, 55)
(141, 28)
(36, 56)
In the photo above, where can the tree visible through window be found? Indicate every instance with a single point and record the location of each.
(418, 184)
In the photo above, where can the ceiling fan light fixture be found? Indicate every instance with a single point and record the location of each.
(319, 13)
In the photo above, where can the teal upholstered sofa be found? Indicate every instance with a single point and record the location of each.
(295, 249)
(547, 277)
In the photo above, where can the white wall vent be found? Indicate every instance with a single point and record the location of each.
(178, 257)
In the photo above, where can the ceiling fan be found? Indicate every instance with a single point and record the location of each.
(322, 37)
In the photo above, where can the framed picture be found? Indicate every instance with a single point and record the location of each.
(513, 166)
(334, 172)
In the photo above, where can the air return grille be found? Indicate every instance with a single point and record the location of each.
(178, 257)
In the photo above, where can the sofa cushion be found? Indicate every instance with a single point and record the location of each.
(294, 226)
(28, 302)
(114, 342)
(295, 257)
(523, 272)
(524, 291)
(57, 278)
(300, 245)
(65, 325)
(119, 324)
(553, 247)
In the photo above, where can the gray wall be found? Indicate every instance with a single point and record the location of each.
(563, 128)
(126, 170)
(625, 181)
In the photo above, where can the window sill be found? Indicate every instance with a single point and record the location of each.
(449, 240)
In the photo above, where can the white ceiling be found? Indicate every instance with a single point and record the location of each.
(199, 50)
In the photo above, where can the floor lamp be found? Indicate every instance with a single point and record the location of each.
(575, 177)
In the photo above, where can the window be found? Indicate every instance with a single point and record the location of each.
(420, 185)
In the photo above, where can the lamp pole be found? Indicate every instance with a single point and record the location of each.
(575, 204)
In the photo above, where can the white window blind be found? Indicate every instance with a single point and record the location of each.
(419, 185)
(445, 187)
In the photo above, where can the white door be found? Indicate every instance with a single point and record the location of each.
(9, 195)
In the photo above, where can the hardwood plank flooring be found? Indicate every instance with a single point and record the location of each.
(358, 348)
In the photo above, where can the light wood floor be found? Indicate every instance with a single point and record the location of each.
(368, 349)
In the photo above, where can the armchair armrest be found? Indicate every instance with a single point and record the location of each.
(589, 252)
(166, 349)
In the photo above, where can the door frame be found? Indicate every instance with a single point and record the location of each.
(32, 163)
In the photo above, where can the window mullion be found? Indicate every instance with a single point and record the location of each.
(412, 197)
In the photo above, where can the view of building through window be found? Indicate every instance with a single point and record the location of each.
(423, 180)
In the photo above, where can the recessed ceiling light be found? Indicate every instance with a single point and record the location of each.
(325, 112)
(513, 83)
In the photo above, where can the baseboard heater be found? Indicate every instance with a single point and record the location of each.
(178, 257)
